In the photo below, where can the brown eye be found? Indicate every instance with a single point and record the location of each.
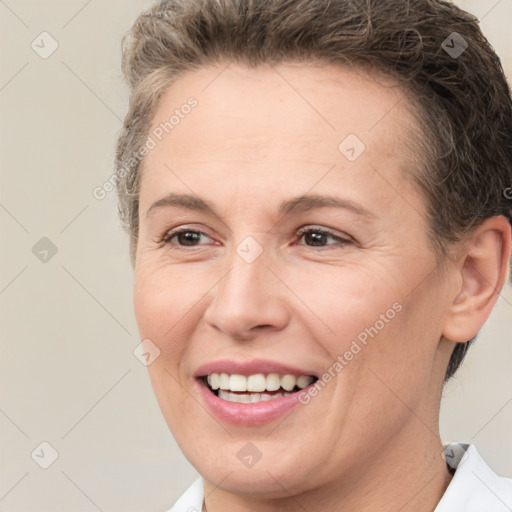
(184, 237)
(316, 237)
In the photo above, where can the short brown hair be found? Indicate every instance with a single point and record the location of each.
(432, 48)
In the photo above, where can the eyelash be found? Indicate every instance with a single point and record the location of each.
(166, 240)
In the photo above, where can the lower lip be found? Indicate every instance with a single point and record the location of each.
(248, 414)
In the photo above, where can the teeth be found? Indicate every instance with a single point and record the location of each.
(223, 380)
(303, 381)
(255, 397)
(256, 384)
(214, 380)
(288, 382)
(248, 398)
(273, 382)
(238, 383)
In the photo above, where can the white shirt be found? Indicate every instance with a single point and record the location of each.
(474, 486)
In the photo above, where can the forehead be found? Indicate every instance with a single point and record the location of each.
(270, 123)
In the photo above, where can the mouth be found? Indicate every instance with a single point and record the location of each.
(259, 387)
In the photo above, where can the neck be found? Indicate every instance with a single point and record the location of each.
(407, 474)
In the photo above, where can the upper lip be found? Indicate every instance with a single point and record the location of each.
(251, 367)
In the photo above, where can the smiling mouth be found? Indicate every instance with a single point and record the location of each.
(247, 389)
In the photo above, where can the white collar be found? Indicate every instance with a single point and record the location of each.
(191, 500)
(474, 486)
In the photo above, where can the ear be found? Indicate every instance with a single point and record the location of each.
(482, 270)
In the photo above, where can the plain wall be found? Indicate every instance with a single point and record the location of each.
(68, 375)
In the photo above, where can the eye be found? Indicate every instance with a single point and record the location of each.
(314, 237)
(319, 236)
(185, 237)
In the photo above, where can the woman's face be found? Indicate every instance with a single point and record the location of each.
(357, 301)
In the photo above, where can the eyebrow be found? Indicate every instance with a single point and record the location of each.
(295, 205)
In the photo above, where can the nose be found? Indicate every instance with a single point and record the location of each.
(249, 300)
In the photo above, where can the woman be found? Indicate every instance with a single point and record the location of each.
(315, 194)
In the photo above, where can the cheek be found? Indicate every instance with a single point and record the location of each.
(349, 307)
(395, 365)
(378, 333)
(165, 296)
(163, 300)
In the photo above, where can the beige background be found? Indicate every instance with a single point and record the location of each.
(68, 375)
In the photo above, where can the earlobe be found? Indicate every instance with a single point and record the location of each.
(483, 270)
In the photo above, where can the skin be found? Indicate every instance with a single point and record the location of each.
(369, 440)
